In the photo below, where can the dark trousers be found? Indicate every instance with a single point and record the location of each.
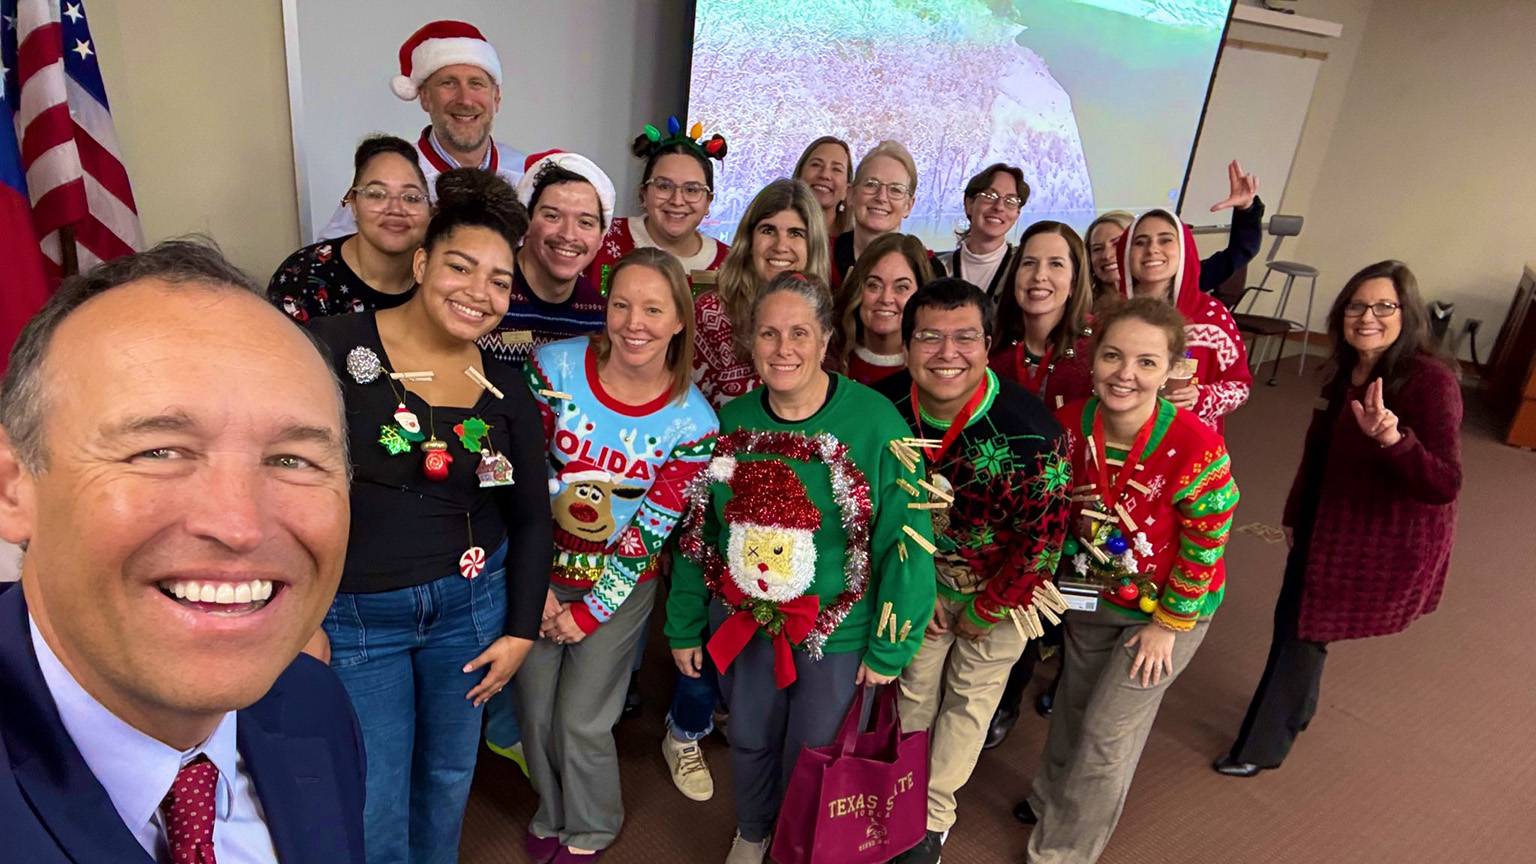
(1286, 697)
(769, 725)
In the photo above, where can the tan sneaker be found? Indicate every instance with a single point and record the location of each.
(690, 773)
(744, 851)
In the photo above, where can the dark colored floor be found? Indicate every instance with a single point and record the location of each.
(1423, 749)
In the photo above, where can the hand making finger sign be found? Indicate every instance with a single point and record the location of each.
(1245, 187)
(1378, 423)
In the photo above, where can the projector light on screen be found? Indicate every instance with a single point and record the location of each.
(1097, 101)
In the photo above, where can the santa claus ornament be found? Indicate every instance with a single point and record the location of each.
(770, 563)
(771, 524)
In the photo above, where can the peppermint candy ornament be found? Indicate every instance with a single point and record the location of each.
(472, 562)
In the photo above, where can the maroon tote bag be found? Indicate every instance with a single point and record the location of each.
(863, 798)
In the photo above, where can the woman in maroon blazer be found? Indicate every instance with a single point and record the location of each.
(1371, 514)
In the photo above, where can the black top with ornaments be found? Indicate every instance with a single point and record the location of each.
(408, 529)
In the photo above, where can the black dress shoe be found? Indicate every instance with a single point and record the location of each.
(1233, 768)
(1045, 702)
(925, 852)
(1025, 813)
(1002, 723)
(632, 700)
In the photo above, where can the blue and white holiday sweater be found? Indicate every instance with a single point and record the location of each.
(618, 473)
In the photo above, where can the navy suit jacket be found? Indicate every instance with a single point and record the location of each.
(300, 743)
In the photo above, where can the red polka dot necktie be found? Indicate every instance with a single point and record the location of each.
(189, 813)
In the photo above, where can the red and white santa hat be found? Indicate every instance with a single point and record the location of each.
(579, 471)
(439, 44)
(767, 492)
(574, 162)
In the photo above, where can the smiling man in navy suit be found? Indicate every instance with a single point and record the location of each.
(173, 462)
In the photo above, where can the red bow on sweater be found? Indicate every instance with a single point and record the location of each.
(796, 619)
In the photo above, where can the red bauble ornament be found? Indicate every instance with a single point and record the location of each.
(436, 460)
(1128, 592)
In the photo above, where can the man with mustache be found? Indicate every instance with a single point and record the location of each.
(172, 461)
(450, 68)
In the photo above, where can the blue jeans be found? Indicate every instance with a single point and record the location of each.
(401, 655)
(692, 715)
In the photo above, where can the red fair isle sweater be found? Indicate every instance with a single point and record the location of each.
(1181, 520)
(626, 235)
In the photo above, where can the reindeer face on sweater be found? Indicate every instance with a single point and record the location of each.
(585, 508)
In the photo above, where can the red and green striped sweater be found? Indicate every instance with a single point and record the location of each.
(1182, 513)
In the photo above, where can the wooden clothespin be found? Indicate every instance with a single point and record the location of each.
(412, 376)
(1125, 518)
(475, 376)
(937, 492)
(919, 539)
(555, 394)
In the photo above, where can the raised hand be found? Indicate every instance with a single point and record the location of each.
(1378, 423)
(1245, 187)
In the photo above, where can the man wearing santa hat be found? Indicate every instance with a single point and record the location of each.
(450, 68)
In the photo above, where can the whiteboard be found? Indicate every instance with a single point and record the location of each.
(1255, 114)
(578, 75)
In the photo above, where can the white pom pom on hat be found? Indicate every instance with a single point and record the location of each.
(571, 162)
(439, 44)
(722, 468)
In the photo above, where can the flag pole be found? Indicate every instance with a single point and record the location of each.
(69, 259)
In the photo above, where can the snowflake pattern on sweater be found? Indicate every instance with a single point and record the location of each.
(617, 474)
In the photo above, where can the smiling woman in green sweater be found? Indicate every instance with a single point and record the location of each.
(801, 551)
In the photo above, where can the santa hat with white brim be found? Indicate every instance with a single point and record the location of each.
(573, 162)
(440, 44)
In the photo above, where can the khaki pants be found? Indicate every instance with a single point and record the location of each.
(951, 689)
(1098, 728)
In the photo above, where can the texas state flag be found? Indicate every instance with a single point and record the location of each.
(23, 289)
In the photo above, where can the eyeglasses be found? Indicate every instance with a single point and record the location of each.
(894, 191)
(693, 193)
(1012, 202)
(965, 340)
(1381, 308)
(378, 198)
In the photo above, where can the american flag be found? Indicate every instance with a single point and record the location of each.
(73, 169)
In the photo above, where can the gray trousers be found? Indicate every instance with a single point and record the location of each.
(1098, 728)
(769, 725)
(570, 696)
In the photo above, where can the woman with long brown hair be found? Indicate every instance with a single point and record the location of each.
(1371, 515)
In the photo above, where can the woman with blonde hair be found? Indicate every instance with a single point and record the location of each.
(892, 269)
(624, 393)
(881, 196)
(782, 230)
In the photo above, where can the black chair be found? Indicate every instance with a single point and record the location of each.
(1277, 326)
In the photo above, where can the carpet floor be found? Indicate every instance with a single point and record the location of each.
(1422, 749)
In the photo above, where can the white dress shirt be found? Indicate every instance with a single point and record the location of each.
(137, 771)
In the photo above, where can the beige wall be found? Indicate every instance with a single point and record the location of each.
(1417, 147)
(199, 93)
(1430, 159)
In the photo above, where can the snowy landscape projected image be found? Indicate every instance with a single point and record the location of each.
(1098, 101)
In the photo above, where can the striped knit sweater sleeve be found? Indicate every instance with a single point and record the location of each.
(1205, 499)
(640, 542)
